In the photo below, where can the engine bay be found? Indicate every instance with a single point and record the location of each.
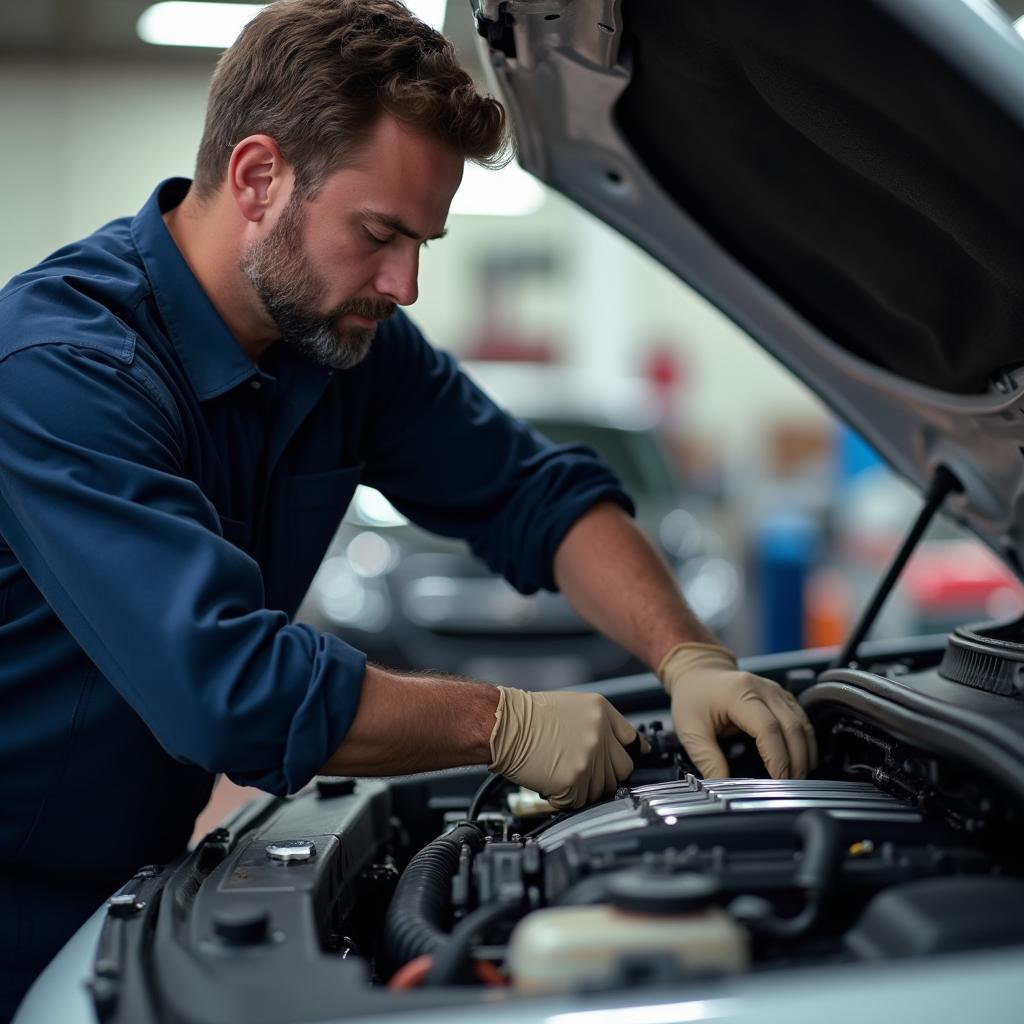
(358, 896)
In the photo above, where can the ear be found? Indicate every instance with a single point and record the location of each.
(258, 176)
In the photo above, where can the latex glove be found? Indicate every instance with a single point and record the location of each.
(569, 747)
(711, 697)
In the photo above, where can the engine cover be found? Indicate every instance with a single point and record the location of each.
(743, 833)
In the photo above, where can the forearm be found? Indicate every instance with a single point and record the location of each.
(616, 580)
(409, 723)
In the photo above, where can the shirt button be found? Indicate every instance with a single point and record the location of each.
(255, 385)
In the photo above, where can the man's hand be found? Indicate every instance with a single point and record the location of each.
(710, 697)
(569, 747)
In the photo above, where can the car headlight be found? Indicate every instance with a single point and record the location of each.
(371, 555)
(370, 508)
(680, 534)
(711, 587)
(349, 599)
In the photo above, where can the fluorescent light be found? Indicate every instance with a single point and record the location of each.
(1019, 25)
(189, 23)
(510, 192)
(193, 23)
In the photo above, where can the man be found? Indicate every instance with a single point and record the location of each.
(189, 398)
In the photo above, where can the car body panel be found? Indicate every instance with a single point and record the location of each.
(948, 990)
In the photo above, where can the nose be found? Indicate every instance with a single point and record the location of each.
(398, 275)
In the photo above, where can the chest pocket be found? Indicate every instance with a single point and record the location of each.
(315, 505)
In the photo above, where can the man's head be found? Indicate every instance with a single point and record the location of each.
(338, 130)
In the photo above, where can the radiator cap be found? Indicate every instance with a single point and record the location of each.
(649, 891)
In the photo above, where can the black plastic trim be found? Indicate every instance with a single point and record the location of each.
(913, 727)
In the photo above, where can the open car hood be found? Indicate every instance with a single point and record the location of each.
(844, 180)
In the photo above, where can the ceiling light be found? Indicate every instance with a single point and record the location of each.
(510, 192)
(188, 23)
(194, 23)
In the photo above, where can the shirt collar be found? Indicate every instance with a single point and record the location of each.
(212, 358)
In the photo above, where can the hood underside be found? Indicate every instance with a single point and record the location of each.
(844, 180)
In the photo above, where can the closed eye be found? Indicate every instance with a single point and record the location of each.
(391, 226)
(378, 240)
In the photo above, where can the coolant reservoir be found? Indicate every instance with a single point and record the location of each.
(649, 914)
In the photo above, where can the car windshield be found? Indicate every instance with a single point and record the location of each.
(633, 454)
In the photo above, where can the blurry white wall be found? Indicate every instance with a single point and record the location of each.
(86, 142)
(615, 304)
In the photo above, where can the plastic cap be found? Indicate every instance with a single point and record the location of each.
(645, 891)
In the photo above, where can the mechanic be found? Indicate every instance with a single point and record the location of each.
(190, 397)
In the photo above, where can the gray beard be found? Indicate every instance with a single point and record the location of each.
(288, 286)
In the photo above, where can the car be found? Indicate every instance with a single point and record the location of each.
(845, 181)
(410, 599)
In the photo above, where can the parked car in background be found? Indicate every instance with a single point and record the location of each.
(411, 599)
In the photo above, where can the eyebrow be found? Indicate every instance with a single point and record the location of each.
(396, 225)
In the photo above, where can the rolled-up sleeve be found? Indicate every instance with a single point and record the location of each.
(456, 464)
(128, 552)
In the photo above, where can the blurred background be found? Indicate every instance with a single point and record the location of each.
(775, 518)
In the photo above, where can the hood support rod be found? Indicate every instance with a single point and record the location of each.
(943, 484)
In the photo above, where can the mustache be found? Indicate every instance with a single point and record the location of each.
(372, 309)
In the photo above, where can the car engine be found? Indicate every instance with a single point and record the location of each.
(435, 890)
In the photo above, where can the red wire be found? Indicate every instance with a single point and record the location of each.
(411, 974)
(489, 974)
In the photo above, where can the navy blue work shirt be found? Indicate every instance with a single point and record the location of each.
(164, 504)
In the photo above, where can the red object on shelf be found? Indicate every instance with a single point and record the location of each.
(663, 370)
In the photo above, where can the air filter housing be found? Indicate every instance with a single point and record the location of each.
(988, 657)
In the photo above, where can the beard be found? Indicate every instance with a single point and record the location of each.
(287, 284)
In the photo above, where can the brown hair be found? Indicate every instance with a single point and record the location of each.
(315, 75)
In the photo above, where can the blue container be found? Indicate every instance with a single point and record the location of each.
(788, 546)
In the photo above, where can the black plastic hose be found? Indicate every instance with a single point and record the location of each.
(455, 956)
(823, 852)
(816, 874)
(487, 787)
(420, 911)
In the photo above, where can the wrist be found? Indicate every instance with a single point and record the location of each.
(690, 655)
(689, 633)
(483, 721)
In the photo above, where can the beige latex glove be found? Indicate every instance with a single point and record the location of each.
(711, 697)
(569, 747)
